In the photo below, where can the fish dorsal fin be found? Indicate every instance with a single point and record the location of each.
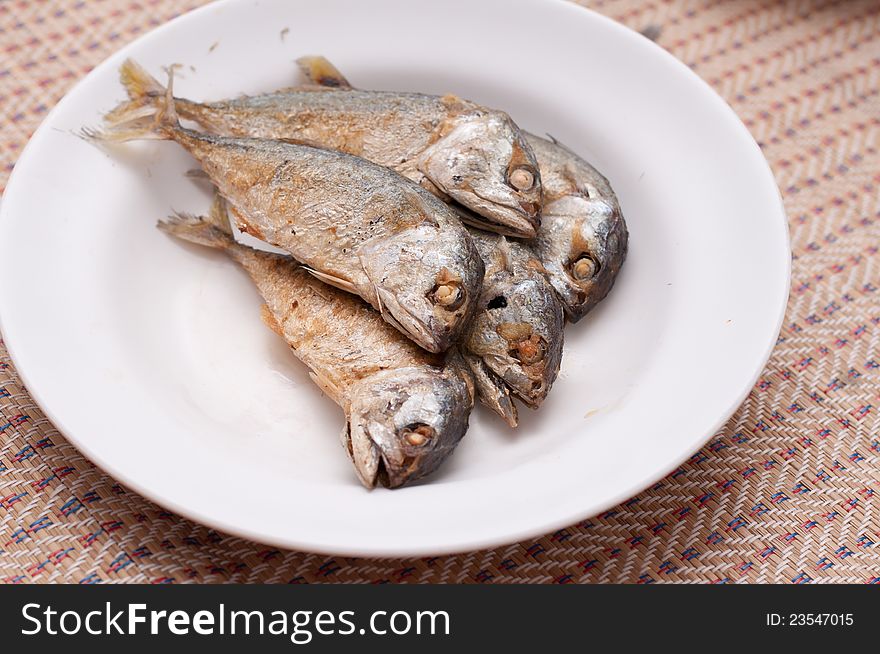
(321, 72)
(338, 282)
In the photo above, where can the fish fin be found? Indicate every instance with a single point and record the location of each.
(139, 130)
(503, 253)
(196, 229)
(142, 89)
(532, 263)
(168, 109)
(320, 71)
(555, 141)
(163, 124)
(218, 215)
(456, 105)
(308, 142)
(499, 258)
(338, 282)
(379, 306)
(196, 173)
(432, 188)
(244, 225)
(138, 82)
(329, 388)
(569, 173)
(455, 362)
(492, 391)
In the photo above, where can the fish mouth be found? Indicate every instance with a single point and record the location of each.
(523, 341)
(530, 388)
(483, 213)
(493, 392)
(369, 461)
(536, 394)
(512, 212)
(372, 465)
(432, 339)
(365, 456)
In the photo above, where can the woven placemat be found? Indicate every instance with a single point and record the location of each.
(784, 493)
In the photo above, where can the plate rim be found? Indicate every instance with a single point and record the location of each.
(303, 542)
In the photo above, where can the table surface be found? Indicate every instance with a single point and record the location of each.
(784, 493)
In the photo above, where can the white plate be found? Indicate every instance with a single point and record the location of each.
(151, 358)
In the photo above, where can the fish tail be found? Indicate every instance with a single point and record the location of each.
(198, 229)
(138, 83)
(159, 121)
(143, 91)
(213, 230)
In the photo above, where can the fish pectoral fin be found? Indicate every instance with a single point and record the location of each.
(308, 142)
(196, 173)
(497, 259)
(320, 71)
(338, 282)
(502, 254)
(379, 305)
(219, 215)
(456, 364)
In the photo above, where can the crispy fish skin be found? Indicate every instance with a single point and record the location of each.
(515, 340)
(583, 239)
(357, 225)
(455, 148)
(406, 409)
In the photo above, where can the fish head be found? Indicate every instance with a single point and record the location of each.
(583, 242)
(517, 332)
(485, 164)
(427, 278)
(403, 423)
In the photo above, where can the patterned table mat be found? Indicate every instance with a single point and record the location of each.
(784, 493)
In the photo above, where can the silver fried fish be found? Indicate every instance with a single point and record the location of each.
(406, 409)
(455, 148)
(583, 238)
(515, 340)
(355, 224)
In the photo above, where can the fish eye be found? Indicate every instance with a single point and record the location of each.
(529, 351)
(522, 178)
(583, 268)
(449, 295)
(497, 302)
(417, 433)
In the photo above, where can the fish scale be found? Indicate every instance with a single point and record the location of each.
(583, 239)
(457, 149)
(402, 249)
(406, 408)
